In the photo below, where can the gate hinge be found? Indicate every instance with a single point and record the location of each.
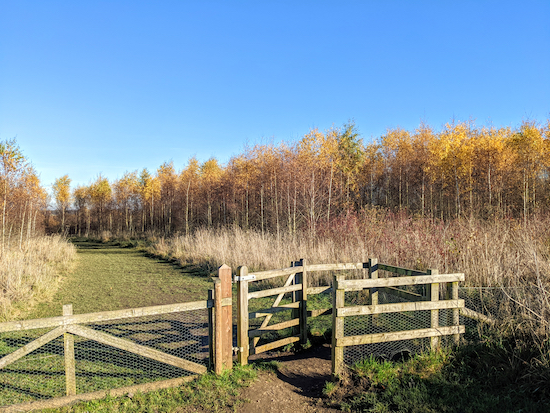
(250, 277)
(236, 350)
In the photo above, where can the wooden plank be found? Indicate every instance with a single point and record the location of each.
(399, 307)
(406, 295)
(265, 275)
(211, 332)
(30, 347)
(400, 281)
(242, 316)
(59, 402)
(274, 291)
(275, 344)
(434, 296)
(218, 327)
(399, 335)
(274, 327)
(474, 315)
(320, 312)
(268, 311)
(138, 349)
(399, 270)
(373, 292)
(336, 267)
(319, 290)
(68, 350)
(104, 316)
(303, 303)
(338, 301)
(224, 274)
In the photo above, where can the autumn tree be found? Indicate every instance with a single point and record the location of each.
(62, 195)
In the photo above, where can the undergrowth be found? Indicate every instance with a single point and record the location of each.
(499, 375)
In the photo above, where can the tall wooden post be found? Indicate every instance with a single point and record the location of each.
(218, 329)
(211, 331)
(434, 296)
(242, 310)
(68, 345)
(373, 292)
(338, 301)
(301, 298)
(224, 274)
(456, 311)
(303, 302)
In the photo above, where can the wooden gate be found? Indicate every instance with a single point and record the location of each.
(295, 282)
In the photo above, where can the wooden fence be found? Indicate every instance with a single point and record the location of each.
(69, 325)
(429, 301)
(296, 282)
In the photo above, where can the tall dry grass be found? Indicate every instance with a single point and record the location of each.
(32, 273)
(513, 256)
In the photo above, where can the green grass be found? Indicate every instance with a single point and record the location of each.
(209, 393)
(108, 277)
(483, 378)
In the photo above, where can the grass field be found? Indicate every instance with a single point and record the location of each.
(108, 277)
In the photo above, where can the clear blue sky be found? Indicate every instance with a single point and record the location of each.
(91, 87)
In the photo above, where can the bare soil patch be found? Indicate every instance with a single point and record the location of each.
(297, 386)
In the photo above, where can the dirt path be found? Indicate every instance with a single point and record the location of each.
(296, 387)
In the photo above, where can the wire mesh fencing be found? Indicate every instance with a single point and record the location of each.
(384, 323)
(138, 345)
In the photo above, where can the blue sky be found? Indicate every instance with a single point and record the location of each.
(90, 87)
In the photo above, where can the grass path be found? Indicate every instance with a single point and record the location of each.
(108, 277)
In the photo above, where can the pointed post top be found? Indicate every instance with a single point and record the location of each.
(224, 266)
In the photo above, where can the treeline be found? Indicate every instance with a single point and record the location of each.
(460, 171)
(22, 198)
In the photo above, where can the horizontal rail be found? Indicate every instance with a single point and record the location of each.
(399, 335)
(275, 327)
(398, 281)
(337, 267)
(274, 344)
(273, 310)
(107, 315)
(406, 295)
(399, 307)
(319, 290)
(474, 315)
(399, 270)
(265, 275)
(274, 291)
(320, 312)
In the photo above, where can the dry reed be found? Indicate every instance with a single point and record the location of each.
(31, 274)
(511, 255)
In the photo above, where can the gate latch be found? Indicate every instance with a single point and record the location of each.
(250, 277)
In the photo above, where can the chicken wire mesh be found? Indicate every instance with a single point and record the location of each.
(41, 374)
(383, 323)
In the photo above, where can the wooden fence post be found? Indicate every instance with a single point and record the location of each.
(224, 274)
(211, 331)
(242, 310)
(434, 296)
(373, 292)
(68, 344)
(218, 329)
(456, 311)
(338, 301)
(301, 298)
(303, 303)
